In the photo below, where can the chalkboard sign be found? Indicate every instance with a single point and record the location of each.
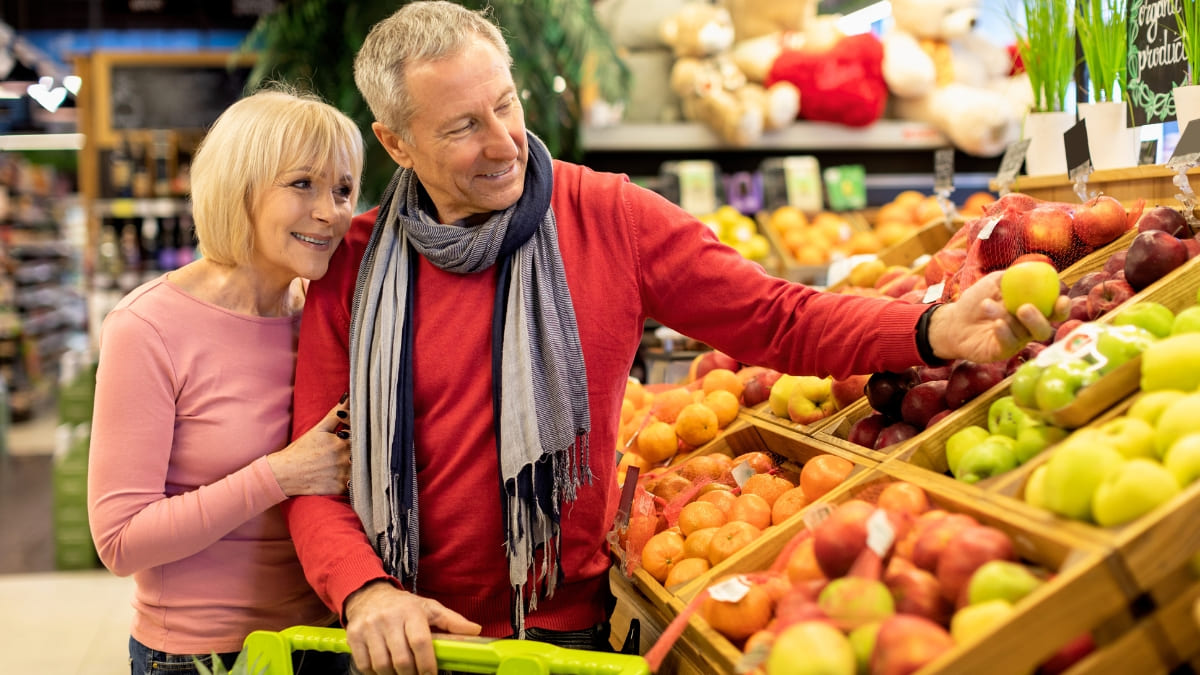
(172, 97)
(1155, 64)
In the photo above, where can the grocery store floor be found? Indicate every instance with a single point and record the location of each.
(54, 622)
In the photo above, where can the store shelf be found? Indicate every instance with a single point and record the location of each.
(801, 137)
(41, 142)
(158, 207)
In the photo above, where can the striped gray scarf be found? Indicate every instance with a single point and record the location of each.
(540, 398)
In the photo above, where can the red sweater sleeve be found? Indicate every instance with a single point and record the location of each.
(330, 542)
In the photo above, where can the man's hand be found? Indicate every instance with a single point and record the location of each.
(976, 327)
(388, 630)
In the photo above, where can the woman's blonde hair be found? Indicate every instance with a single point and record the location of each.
(253, 141)
(418, 31)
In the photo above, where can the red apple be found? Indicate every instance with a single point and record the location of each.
(905, 643)
(969, 548)
(1068, 655)
(839, 539)
(901, 285)
(754, 392)
(938, 418)
(892, 273)
(932, 540)
(1033, 257)
(711, 360)
(1014, 200)
(916, 591)
(865, 431)
(1115, 263)
(931, 373)
(1027, 353)
(1065, 327)
(1164, 218)
(847, 390)
(1100, 220)
(1004, 242)
(1193, 247)
(943, 264)
(1107, 295)
(1048, 230)
(1079, 308)
(1151, 256)
(885, 390)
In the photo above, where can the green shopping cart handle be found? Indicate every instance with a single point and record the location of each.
(273, 651)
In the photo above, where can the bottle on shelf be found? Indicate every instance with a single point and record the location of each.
(150, 243)
(131, 257)
(121, 169)
(143, 187)
(160, 153)
(108, 257)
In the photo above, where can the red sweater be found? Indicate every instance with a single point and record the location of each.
(629, 254)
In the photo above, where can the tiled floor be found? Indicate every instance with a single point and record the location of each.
(53, 623)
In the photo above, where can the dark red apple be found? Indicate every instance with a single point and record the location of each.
(865, 431)
(1193, 247)
(1164, 218)
(938, 418)
(885, 390)
(897, 432)
(1005, 241)
(970, 379)
(1028, 353)
(1079, 308)
(1100, 220)
(1085, 283)
(922, 402)
(965, 552)
(1014, 201)
(1115, 263)
(754, 392)
(1107, 295)
(1068, 655)
(1152, 255)
(931, 373)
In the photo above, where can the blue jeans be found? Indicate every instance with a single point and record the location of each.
(146, 661)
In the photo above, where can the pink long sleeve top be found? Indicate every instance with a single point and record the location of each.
(190, 398)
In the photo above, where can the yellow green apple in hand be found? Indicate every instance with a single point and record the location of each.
(1032, 282)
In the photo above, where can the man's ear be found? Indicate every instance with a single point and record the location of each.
(393, 144)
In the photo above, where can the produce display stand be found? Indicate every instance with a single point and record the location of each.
(1134, 588)
(273, 651)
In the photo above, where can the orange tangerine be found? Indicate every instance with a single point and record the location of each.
(699, 515)
(657, 442)
(696, 424)
(724, 404)
(719, 379)
(685, 570)
(667, 404)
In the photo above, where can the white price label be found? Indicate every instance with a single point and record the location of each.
(742, 472)
(816, 515)
(732, 589)
(933, 293)
(880, 534)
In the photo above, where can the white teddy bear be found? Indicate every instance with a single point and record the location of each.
(939, 70)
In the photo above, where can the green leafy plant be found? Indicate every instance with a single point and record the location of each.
(1101, 26)
(558, 47)
(1188, 21)
(1046, 43)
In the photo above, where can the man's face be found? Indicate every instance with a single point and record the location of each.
(469, 147)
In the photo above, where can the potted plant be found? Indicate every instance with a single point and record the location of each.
(558, 47)
(1101, 26)
(1045, 40)
(1187, 96)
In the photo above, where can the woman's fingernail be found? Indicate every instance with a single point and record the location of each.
(343, 434)
(342, 414)
(344, 397)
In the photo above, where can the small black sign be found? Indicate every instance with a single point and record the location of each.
(1149, 152)
(1079, 158)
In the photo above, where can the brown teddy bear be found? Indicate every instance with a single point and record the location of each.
(712, 88)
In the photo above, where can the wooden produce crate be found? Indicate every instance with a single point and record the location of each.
(1154, 184)
(790, 451)
(763, 413)
(929, 239)
(791, 269)
(1084, 594)
(631, 606)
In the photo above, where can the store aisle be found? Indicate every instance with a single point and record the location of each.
(65, 623)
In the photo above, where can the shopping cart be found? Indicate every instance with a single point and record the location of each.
(273, 651)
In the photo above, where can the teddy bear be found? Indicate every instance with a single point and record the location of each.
(839, 76)
(712, 88)
(940, 71)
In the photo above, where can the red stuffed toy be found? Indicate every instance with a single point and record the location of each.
(839, 82)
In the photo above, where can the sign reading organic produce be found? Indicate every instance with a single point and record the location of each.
(1156, 62)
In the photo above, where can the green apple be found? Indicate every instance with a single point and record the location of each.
(1137, 487)
(1172, 363)
(1187, 321)
(1131, 436)
(826, 650)
(1118, 344)
(994, 456)
(1183, 459)
(1033, 436)
(1001, 580)
(1033, 282)
(974, 621)
(781, 392)
(1035, 488)
(1149, 404)
(1073, 472)
(862, 640)
(1024, 384)
(1060, 384)
(1004, 415)
(1177, 419)
(962, 440)
(1152, 316)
